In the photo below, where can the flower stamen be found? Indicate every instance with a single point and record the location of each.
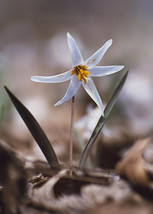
(81, 72)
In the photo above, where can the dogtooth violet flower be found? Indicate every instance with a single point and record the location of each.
(82, 72)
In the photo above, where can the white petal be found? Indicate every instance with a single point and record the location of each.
(97, 56)
(99, 71)
(93, 93)
(71, 91)
(75, 52)
(53, 79)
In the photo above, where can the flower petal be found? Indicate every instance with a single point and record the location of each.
(75, 52)
(71, 91)
(97, 56)
(99, 71)
(93, 93)
(53, 79)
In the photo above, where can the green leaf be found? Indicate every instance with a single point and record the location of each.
(102, 121)
(36, 131)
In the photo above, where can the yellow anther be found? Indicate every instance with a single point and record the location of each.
(81, 72)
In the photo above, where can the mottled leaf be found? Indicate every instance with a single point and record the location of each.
(102, 121)
(36, 131)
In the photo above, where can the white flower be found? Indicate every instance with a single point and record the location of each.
(82, 72)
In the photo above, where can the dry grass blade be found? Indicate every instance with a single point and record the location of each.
(102, 121)
(36, 131)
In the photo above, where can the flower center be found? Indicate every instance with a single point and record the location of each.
(81, 72)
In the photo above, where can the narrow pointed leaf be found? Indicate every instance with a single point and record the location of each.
(36, 131)
(102, 121)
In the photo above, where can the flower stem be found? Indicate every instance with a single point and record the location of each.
(71, 134)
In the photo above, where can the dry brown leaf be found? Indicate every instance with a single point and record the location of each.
(132, 164)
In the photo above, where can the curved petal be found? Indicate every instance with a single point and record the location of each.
(97, 56)
(71, 91)
(75, 52)
(53, 79)
(99, 71)
(93, 93)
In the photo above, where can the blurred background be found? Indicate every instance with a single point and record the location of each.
(33, 42)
